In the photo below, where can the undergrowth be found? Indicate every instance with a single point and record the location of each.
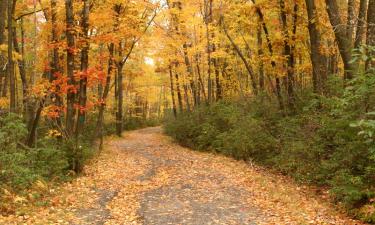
(329, 141)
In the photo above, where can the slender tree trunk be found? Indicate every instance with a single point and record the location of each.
(55, 64)
(187, 97)
(288, 52)
(70, 66)
(22, 71)
(84, 66)
(371, 30)
(34, 125)
(341, 37)
(260, 55)
(172, 92)
(318, 60)
(119, 114)
(219, 91)
(179, 95)
(3, 16)
(11, 75)
(200, 80)
(361, 23)
(191, 74)
(208, 21)
(104, 96)
(350, 22)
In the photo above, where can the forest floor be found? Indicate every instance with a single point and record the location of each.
(145, 178)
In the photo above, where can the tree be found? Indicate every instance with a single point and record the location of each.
(319, 73)
(341, 34)
(70, 58)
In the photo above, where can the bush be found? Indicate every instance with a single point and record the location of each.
(329, 142)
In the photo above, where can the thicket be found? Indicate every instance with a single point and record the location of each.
(53, 159)
(328, 141)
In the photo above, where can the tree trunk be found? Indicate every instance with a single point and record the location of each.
(371, 30)
(361, 24)
(11, 75)
(70, 66)
(84, 66)
(341, 37)
(350, 22)
(119, 114)
(318, 60)
(34, 124)
(104, 95)
(3, 15)
(260, 55)
(22, 71)
(55, 64)
(179, 95)
(172, 92)
(288, 52)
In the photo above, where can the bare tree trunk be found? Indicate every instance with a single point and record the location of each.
(22, 71)
(318, 60)
(219, 91)
(70, 66)
(191, 74)
(84, 66)
(34, 125)
(208, 21)
(120, 90)
(179, 95)
(350, 22)
(341, 37)
(3, 10)
(187, 97)
(11, 75)
(260, 54)
(172, 92)
(55, 64)
(104, 95)
(200, 80)
(288, 52)
(361, 23)
(371, 30)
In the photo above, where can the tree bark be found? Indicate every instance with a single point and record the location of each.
(371, 30)
(120, 101)
(104, 95)
(288, 52)
(179, 94)
(172, 92)
(318, 60)
(22, 71)
(361, 24)
(10, 67)
(341, 37)
(84, 67)
(3, 16)
(350, 22)
(70, 66)
(260, 55)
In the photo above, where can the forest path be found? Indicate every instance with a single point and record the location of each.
(145, 178)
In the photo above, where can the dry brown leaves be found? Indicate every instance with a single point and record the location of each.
(119, 171)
